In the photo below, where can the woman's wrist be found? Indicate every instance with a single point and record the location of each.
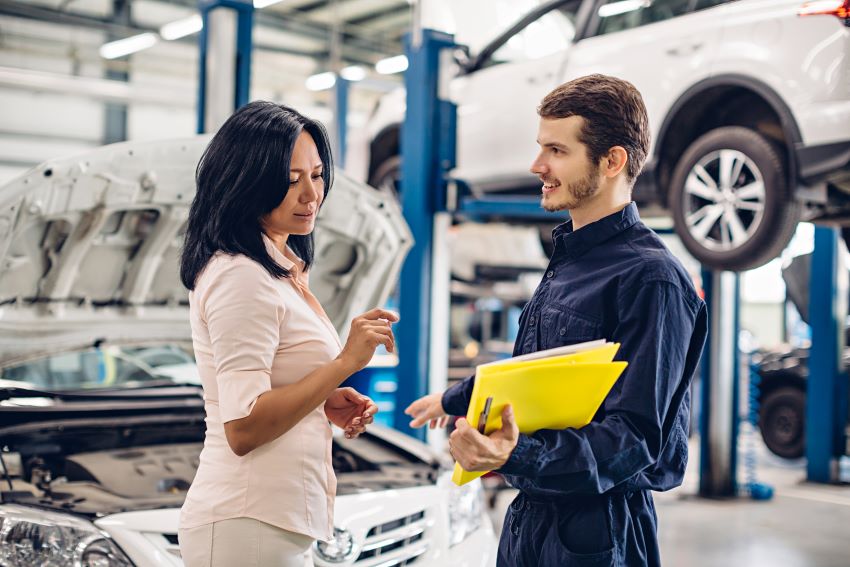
(345, 366)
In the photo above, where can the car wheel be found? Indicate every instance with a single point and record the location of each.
(730, 200)
(782, 421)
(387, 175)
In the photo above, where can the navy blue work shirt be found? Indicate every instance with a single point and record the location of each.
(613, 279)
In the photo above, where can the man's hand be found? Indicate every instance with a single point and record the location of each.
(477, 452)
(428, 409)
(349, 410)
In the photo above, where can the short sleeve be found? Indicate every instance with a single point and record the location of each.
(243, 312)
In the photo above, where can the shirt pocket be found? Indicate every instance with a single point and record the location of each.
(561, 326)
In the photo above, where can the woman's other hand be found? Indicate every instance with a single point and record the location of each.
(350, 410)
(369, 330)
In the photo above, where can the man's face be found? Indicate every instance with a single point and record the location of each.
(569, 178)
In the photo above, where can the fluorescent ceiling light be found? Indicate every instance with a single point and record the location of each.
(353, 73)
(260, 4)
(391, 65)
(122, 47)
(320, 82)
(182, 28)
(623, 7)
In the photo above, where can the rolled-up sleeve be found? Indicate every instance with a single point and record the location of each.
(243, 313)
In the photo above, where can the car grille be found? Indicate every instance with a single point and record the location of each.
(393, 544)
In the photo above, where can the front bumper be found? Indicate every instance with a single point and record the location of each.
(149, 538)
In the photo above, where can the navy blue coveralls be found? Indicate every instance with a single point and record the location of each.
(584, 495)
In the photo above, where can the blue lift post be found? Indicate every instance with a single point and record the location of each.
(341, 87)
(719, 373)
(230, 82)
(826, 396)
(423, 188)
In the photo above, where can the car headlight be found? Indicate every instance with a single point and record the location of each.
(29, 536)
(466, 505)
(340, 548)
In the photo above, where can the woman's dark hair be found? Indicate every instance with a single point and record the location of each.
(242, 176)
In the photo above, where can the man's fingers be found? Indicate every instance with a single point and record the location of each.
(509, 425)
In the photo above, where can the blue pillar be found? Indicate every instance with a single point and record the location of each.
(237, 77)
(422, 189)
(826, 397)
(720, 368)
(341, 118)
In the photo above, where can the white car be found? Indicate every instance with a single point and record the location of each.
(748, 101)
(99, 445)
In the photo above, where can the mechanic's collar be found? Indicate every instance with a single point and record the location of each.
(575, 243)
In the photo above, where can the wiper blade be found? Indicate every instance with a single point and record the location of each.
(158, 389)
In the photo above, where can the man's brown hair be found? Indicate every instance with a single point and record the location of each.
(613, 112)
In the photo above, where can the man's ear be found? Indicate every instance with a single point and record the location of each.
(614, 161)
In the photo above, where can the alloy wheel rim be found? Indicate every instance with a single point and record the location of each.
(724, 200)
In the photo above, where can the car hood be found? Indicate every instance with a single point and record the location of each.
(89, 249)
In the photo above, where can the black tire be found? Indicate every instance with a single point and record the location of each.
(765, 233)
(385, 178)
(782, 422)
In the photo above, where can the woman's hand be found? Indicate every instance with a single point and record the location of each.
(350, 411)
(367, 332)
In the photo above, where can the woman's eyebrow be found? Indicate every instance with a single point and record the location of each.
(299, 170)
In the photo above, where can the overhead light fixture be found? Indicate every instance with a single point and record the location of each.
(260, 4)
(122, 47)
(623, 7)
(321, 81)
(182, 28)
(391, 65)
(353, 73)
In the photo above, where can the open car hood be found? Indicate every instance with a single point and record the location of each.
(89, 249)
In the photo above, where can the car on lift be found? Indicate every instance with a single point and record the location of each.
(101, 418)
(783, 374)
(748, 101)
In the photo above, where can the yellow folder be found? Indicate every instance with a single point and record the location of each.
(555, 392)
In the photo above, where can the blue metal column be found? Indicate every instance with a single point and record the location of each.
(422, 186)
(341, 118)
(826, 397)
(720, 369)
(244, 11)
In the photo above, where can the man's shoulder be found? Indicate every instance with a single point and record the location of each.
(657, 265)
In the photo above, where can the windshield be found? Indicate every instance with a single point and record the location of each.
(106, 367)
(551, 33)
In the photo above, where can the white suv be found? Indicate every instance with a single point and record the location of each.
(98, 439)
(748, 100)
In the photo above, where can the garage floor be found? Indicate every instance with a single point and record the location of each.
(804, 525)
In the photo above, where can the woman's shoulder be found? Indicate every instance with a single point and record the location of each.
(225, 269)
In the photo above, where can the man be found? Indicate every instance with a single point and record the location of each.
(585, 493)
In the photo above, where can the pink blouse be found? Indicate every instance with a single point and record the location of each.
(252, 332)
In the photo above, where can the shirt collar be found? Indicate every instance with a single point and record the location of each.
(575, 243)
(283, 260)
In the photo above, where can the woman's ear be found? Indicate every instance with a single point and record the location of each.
(614, 162)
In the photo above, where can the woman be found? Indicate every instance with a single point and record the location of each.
(269, 358)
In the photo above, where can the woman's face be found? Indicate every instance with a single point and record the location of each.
(296, 214)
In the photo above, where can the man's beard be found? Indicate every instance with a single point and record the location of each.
(575, 194)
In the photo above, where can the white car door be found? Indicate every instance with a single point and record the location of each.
(497, 120)
(660, 46)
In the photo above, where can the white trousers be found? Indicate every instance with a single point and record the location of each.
(243, 542)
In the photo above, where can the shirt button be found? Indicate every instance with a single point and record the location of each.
(551, 274)
(563, 331)
(532, 320)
